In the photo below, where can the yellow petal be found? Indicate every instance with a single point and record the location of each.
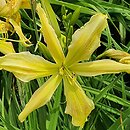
(10, 8)
(50, 37)
(2, 3)
(99, 67)
(25, 4)
(86, 39)
(17, 18)
(125, 60)
(18, 30)
(4, 27)
(26, 66)
(6, 47)
(79, 106)
(115, 54)
(41, 96)
(51, 16)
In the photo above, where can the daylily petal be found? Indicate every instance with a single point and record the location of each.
(26, 66)
(115, 54)
(79, 106)
(25, 4)
(18, 30)
(6, 47)
(17, 18)
(125, 60)
(50, 37)
(41, 96)
(10, 8)
(99, 67)
(4, 27)
(51, 16)
(2, 3)
(86, 39)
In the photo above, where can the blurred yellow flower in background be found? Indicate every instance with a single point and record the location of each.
(9, 10)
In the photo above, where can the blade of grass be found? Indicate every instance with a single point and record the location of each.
(125, 120)
(55, 112)
(74, 7)
(106, 89)
(2, 128)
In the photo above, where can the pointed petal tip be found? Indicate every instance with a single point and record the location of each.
(50, 37)
(25, 112)
(41, 96)
(114, 54)
(79, 106)
(100, 67)
(86, 39)
(81, 122)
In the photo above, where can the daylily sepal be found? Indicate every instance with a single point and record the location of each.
(26, 66)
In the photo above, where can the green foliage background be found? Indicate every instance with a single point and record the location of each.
(111, 93)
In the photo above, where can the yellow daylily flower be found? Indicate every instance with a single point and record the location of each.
(115, 54)
(121, 56)
(5, 47)
(9, 10)
(10, 7)
(26, 66)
